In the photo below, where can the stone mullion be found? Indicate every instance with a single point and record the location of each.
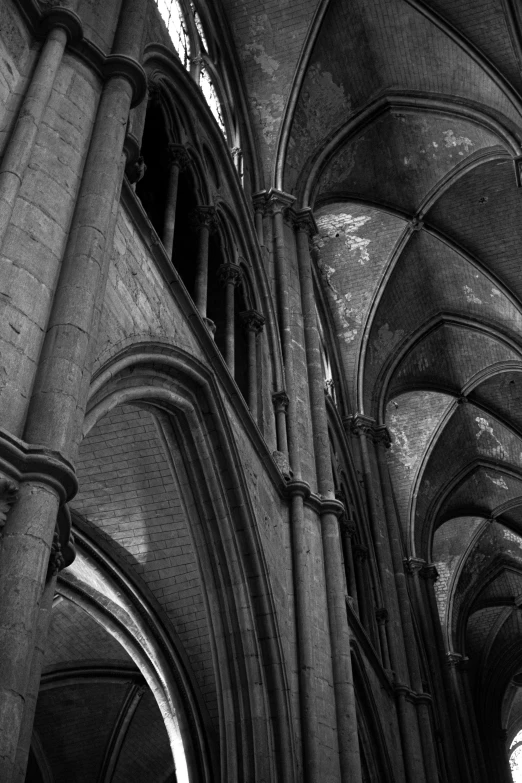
(178, 160)
(346, 714)
(204, 220)
(253, 323)
(55, 414)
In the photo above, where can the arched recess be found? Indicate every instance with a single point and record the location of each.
(105, 589)
(254, 713)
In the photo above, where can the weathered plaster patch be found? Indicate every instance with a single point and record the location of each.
(341, 166)
(269, 111)
(384, 343)
(450, 140)
(322, 107)
(498, 482)
(495, 292)
(470, 296)
(485, 432)
(406, 452)
(268, 64)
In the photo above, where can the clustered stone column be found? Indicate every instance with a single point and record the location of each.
(253, 323)
(331, 509)
(230, 276)
(56, 410)
(179, 160)
(204, 220)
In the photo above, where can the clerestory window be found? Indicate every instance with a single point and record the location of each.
(191, 43)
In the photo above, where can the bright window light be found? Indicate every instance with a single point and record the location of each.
(172, 15)
(211, 97)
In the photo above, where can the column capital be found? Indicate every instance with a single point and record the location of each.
(204, 217)
(456, 660)
(65, 18)
(178, 156)
(277, 201)
(252, 320)
(381, 615)
(302, 220)
(281, 401)
(413, 565)
(361, 425)
(123, 66)
(229, 274)
(259, 201)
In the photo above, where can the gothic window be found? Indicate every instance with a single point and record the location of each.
(192, 46)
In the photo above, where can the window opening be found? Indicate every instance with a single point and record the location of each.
(199, 27)
(211, 97)
(173, 17)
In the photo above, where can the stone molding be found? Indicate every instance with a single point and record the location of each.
(429, 572)
(25, 462)
(252, 321)
(120, 65)
(413, 565)
(302, 220)
(59, 16)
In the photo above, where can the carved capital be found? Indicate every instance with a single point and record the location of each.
(178, 156)
(302, 220)
(229, 274)
(360, 425)
(281, 401)
(381, 436)
(277, 201)
(381, 615)
(56, 558)
(204, 217)
(360, 552)
(252, 321)
(135, 170)
(259, 201)
(8, 495)
(455, 659)
(413, 565)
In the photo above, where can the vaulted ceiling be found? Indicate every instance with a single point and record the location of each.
(398, 122)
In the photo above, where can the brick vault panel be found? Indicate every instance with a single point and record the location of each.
(128, 491)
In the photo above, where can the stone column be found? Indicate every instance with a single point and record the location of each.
(347, 533)
(230, 276)
(360, 552)
(331, 509)
(253, 323)
(259, 210)
(280, 400)
(381, 615)
(392, 581)
(56, 409)
(204, 220)
(62, 25)
(276, 204)
(178, 161)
